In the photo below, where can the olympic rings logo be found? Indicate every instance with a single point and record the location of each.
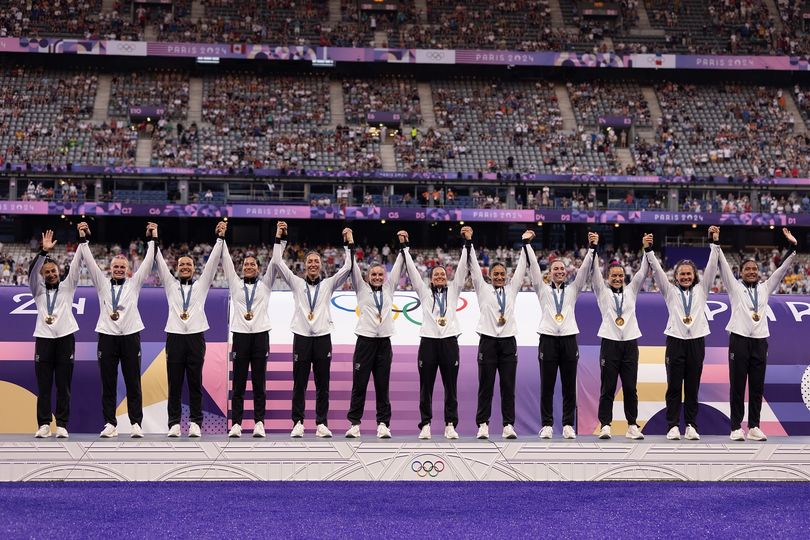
(411, 305)
(427, 468)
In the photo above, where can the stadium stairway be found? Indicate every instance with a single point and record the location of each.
(426, 105)
(556, 14)
(773, 11)
(624, 157)
(150, 32)
(566, 110)
(643, 18)
(655, 113)
(334, 12)
(380, 39)
(195, 97)
(197, 10)
(421, 10)
(389, 160)
(143, 152)
(800, 127)
(102, 103)
(336, 104)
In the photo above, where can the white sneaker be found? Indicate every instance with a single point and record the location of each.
(61, 433)
(297, 431)
(633, 432)
(605, 432)
(323, 432)
(509, 432)
(194, 430)
(174, 431)
(756, 434)
(43, 432)
(136, 432)
(235, 432)
(737, 435)
(569, 433)
(691, 433)
(483, 431)
(109, 431)
(258, 430)
(383, 432)
(547, 432)
(425, 433)
(450, 432)
(674, 434)
(353, 432)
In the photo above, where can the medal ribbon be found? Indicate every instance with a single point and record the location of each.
(115, 298)
(558, 301)
(687, 307)
(312, 301)
(441, 299)
(618, 300)
(754, 297)
(186, 301)
(378, 300)
(49, 303)
(249, 297)
(500, 294)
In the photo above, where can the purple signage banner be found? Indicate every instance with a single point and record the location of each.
(245, 51)
(152, 111)
(404, 213)
(383, 117)
(615, 121)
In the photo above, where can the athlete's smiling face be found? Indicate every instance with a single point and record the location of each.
(498, 275)
(438, 277)
(376, 276)
(50, 273)
(557, 272)
(185, 267)
(250, 268)
(616, 277)
(685, 275)
(313, 265)
(750, 273)
(119, 267)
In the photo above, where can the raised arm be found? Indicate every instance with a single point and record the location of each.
(658, 272)
(772, 283)
(34, 276)
(357, 278)
(638, 279)
(597, 281)
(535, 274)
(269, 276)
(416, 278)
(520, 271)
(726, 274)
(227, 264)
(462, 268)
(164, 273)
(140, 275)
(74, 270)
(345, 271)
(210, 269)
(278, 261)
(585, 269)
(396, 272)
(96, 275)
(710, 272)
(468, 254)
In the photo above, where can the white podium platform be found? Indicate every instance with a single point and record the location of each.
(156, 458)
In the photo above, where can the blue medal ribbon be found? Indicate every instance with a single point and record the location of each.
(115, 298)
(618, 300)
(500, 294)
(441, 299)
(312, 301)
(51, 303)
(558, 304)
(378, 301)
(687, 307)
(186, 300)
(754, 297)
(249, 297)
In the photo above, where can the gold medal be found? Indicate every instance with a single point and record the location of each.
(184, 315)
(249, 316)
(687, 320)
(755, 316)
(442, 321)
(114, 315)
(501, 320)
(559, 317)
(49, 319)
(619, 321)
(311, 316)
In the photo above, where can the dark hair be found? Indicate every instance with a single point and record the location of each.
(251, 257)
(498, 263)
(687, 262)
(435, 267)
(614, 264)
(746, 261)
